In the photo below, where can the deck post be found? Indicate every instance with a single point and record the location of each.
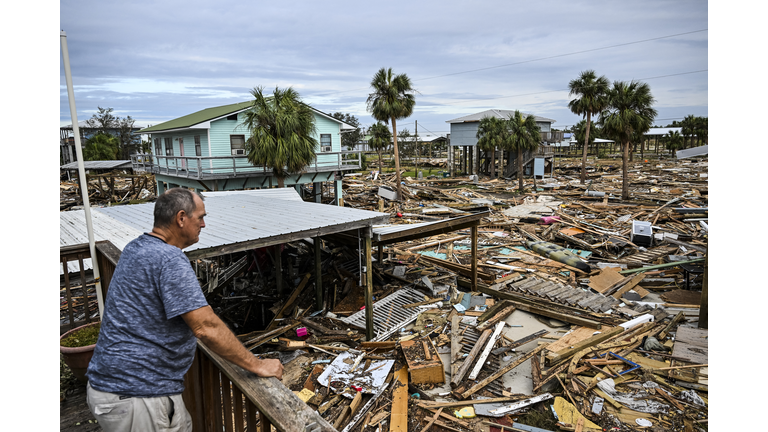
(337, 192)
(317, 191)
(318, 276)
(474, 257)
(369, 333)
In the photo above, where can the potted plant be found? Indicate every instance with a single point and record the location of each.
(76, 347)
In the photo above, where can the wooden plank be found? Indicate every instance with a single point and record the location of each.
(288, 303)
(488, 347)
(477, 387)
(469, 359)
(629, 283)
(455, 344)
(691, 344)
(555, 357)
(399, 416)
(577, 335)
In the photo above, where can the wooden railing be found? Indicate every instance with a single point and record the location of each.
(211, 167)
(221, 396)
(107, 256)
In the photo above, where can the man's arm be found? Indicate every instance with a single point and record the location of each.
(210, 329)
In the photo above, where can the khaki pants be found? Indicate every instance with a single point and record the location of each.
(163, 413)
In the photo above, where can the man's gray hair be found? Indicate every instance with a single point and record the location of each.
(171, 202)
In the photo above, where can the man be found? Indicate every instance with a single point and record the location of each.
(155, 311)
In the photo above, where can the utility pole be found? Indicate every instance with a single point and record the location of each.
(416, 136)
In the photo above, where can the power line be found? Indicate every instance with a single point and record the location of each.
(554, 91)
(562, 55)
(533, 60)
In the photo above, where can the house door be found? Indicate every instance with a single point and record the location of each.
(181, 152)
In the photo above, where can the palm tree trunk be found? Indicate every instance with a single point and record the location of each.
(625, 171)
(381, 164)
(397, 161)
(280, 182)
(584, 154)
(520, 168)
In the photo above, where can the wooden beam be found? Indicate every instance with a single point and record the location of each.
(487, 350)
(479, 386)
(553, 358)
(399, 416)
(474, 258)
(318, 275)
(369, 330)
(469, 359)
(289, 302)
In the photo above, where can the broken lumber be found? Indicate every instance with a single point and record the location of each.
(556, 357)
(455, 380)
(477, 387)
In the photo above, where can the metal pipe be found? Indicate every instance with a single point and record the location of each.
(81, 172)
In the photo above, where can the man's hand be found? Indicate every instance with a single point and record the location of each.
(210, 329)
(269, 368)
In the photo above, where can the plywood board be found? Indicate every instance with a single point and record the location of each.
(607, 277)
(577, 335)
(399, 418)
(692, 344)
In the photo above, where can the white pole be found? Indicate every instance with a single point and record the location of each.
(81, 173)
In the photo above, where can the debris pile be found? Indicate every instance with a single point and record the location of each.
(584, 316)
(108, 188)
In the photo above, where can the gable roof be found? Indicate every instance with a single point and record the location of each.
(198, 117)
(502, 114)
(209, 114)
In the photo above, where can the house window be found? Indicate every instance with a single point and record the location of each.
(232, 117)
(237, 143)
(158, 147)
(325, 142)
(198, 151)
(168, 146)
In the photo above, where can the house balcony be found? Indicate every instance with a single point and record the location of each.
(229, 167)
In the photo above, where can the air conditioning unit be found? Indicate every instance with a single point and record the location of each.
(326, 148)
(238, 152)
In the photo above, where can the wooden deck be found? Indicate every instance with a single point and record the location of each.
(227, 167)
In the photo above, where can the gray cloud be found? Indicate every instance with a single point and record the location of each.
(157, 61)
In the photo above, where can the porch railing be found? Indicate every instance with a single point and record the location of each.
(78, 297)
(221, 396)
(217, 167)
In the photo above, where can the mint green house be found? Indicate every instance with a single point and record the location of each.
(205, 151)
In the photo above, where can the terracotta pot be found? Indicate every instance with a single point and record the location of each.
(77, 358)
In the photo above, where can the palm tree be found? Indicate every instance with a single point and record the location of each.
(580, 133)
(379, 140)
(629, 113)
(492, 133)
(100, 147)
(591, 92)
(689, 127)
(282, 132)
(674, 140)
(702, 129)
(525, 135)
(392, 99)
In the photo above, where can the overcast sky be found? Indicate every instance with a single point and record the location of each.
(156, 61)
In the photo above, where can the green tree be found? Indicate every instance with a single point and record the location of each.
(282, 132)
(630, 112)
(493, 133)
(379, 141)
(701, 129)
(674, 141)
(580, 133)
(105, 122)
(591, 100)
(525, 135)
(689, 128)
(349, 139)
(392, 99)
(101, 147)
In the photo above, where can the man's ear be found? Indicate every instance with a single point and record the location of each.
(181, 218)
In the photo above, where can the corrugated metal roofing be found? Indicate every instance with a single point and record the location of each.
(99, 164)
(234, 217)
(502, 114)
(72, 231)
